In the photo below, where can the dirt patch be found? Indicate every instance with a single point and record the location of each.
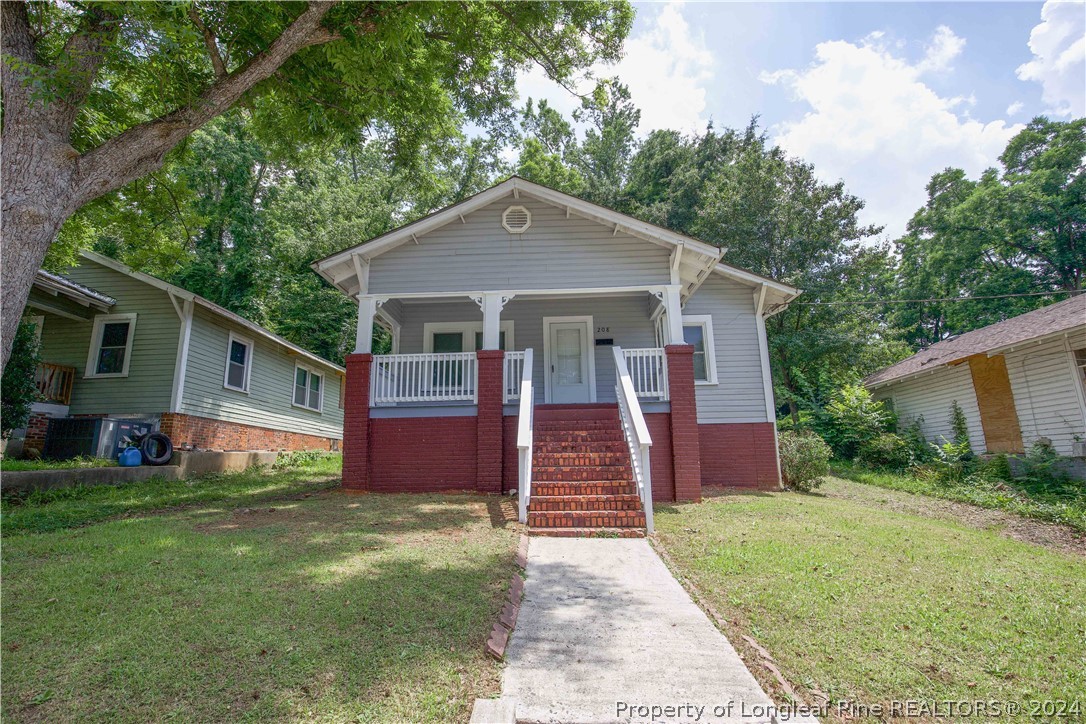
(1050, 535)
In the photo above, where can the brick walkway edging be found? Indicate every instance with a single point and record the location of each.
(507, 619)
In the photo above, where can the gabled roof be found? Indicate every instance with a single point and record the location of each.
(60, 285)
(1053, 320)
(184, 294)
(696, 260)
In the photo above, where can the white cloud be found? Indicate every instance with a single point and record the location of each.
(874, 123)
(1015, 108)
(667, 66)
(945, 46)
(1058, 44)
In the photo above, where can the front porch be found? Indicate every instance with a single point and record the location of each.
(456, 402)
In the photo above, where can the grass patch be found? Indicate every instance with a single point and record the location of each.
(11, 465)
(317, 606)
(869, 605)
(59, 508)
(1057, 502)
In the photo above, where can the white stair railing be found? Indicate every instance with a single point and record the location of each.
(525, 436)
(511, 373)
(636, 432)
(437, 377)
(648, 371)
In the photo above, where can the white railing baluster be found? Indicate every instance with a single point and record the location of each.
(511, 373)
(635, 430)
(525, 435)
(439, 377)
(648, 371)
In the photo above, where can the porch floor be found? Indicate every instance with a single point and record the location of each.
(603, 624)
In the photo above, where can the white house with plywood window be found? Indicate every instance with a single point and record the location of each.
(548, 345)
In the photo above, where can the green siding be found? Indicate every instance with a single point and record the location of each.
(149, 384)
(271, 381)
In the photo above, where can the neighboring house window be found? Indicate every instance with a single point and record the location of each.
(239, 363)
(698, 331)
(111, 345)
(308, 388)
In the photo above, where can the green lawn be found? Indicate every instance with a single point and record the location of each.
(264, 598)
(870, 605)
(11, 464)
(1058, 502)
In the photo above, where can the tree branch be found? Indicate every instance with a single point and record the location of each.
(141, 149)
(83, 54)
(209, 41)
(16, 43)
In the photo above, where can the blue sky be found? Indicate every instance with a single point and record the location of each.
(879, 95)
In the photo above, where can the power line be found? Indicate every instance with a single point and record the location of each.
(943, 299)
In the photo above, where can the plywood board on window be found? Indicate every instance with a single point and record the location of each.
(998, 415)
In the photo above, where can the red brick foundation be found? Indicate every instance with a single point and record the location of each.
(739, 455)
(686, 450)
(36, 426)
(489, 420)
(660, 462)
(207, 434)
(356, 422)
(422, 454)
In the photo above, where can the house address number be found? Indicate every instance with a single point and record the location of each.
(602, 330)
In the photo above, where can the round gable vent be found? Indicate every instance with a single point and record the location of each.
(516, 219)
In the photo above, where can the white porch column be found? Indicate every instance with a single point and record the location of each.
(673, 305)
(367, 310)
(492, 303)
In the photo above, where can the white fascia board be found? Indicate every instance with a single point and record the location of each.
(1037, 340)
(755, 279)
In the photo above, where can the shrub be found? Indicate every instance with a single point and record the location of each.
(18, 390)
(1041, 466)
(959, 425)
(886, 452)
(918, 445)
(852, 418)
(952, 461)
(805, 459)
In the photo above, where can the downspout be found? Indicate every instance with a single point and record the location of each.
(767, 373)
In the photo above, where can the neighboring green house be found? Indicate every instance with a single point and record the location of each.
(119, 343)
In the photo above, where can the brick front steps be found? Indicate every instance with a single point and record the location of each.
(582, 479)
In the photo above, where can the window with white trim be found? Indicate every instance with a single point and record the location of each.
(308, 388)
(698, 331)
(111, 345)
(462, 336)
(239, 363)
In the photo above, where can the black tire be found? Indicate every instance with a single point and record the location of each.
(157, 449)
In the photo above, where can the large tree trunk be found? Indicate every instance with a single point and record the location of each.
(45, 180)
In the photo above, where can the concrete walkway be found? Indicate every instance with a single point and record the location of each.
(607, 634)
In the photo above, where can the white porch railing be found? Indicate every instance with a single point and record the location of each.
(636, 433)
(648, 371)
(511, 373)
(438, 377)
(525, 436)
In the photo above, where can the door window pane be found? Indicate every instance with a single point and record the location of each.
(112, 350)
(568, 357)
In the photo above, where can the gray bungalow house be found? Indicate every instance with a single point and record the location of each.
(546, 345)
(115, 342)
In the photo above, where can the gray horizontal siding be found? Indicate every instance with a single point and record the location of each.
(931, 396)
(149, 385)
(1046, 394)
(271, 383)
(739, 395)
(555, 253)
(627, 318)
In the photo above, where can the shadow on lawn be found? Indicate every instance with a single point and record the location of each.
(332, 607)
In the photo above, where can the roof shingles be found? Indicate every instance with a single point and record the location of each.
(1053, 319)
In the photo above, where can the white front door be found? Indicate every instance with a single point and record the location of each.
(569, 367)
